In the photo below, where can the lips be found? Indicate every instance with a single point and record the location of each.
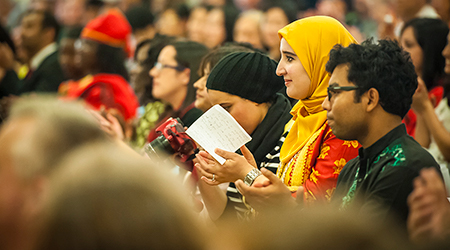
(287, 81)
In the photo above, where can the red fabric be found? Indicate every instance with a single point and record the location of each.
(410, 119)
(111, 28)
(153, 135)
(103, 90)
(328, 157)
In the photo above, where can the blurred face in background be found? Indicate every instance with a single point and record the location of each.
(202, 101)
(195, 24)
(214, 29)
(168, 82)
(67, 58)
(86, 55)
(274, 19)
(247, 30)
(410, 45)
(171, 24)
(31, 33)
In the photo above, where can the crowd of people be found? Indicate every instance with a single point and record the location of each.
(347, 103)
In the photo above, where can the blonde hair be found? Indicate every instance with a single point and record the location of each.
(56, 128)
(104, 198)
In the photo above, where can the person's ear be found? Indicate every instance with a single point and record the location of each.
(185, 76)
(372, 99)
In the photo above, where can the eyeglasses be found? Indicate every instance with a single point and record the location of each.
(332, 89)
(159, 66)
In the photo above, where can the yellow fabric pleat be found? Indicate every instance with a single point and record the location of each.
(311, 38)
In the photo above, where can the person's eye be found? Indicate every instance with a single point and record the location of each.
(289, 58)
(226, 107)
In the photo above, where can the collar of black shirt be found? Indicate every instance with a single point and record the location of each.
(382, 143)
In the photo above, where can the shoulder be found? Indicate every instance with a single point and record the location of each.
(406, 155)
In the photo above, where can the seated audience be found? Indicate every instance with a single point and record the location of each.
(39, 32)
(366, 101)
(311, 156)
(245, 84)
(426, 55)
(208, 62)
(36, 136)
(104, 198)
(436, 122)
(174, 75)
(101, 56)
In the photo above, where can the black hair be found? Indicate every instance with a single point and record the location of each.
(139, 17)
(288, 7)
(94, 3)
(48, 21)
(189, 55)
(383, 66)
(111, 60)
(156, 45)
(431, 35)
(72, 32)
(5, 38)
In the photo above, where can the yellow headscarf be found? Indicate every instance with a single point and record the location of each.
(311, 38)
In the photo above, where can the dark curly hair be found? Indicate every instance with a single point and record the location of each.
(383, 66)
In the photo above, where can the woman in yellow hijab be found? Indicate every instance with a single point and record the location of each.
(311, 156)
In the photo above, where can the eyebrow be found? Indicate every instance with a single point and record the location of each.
(289, 53)
(334, 84)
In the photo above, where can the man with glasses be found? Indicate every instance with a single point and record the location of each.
(370, 91)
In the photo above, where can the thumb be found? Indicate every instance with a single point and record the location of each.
(269, 175)
(300, 194)
(248, 156)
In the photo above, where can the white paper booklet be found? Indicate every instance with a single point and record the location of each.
(216, 128)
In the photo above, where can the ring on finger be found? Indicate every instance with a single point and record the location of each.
(214, 177)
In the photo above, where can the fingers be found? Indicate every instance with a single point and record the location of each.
(225, 154)
(242, 187)
(210, 181)
(269, 175)
(115, 126)
(248, 156)
(206, 156)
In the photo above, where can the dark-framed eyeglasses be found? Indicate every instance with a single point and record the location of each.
(159, 66)
(333, 89)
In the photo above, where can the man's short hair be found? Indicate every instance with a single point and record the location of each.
(48, 21)
(383, 66)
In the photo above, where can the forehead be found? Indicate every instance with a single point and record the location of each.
(168, 53)
(340, 76)
(219, 97)
(35, 18)
(284, 46)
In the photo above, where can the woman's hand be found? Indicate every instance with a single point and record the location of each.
(235, 167)
(109, 124)
(420, 98)
(272, 193)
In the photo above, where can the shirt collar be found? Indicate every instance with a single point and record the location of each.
(383, 142)
(42, 54)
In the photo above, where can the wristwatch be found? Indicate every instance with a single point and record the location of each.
(251, 176)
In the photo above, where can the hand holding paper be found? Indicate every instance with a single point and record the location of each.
(216, 128)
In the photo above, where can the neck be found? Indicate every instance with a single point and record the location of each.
(411, 15)
(379, 127)
(177, 99)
